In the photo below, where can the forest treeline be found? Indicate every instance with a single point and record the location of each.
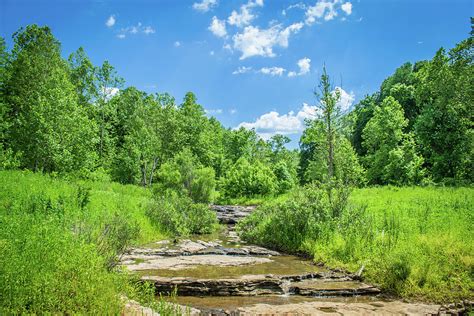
(66, 116)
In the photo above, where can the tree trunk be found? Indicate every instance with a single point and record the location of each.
(155, 161)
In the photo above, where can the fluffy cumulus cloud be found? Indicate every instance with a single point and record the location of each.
(304, 65)
(204, 5)
(345, 99)
(135, 29)
(272, 71)
(347, 8)
(326, 10)
(245, 14)
(272, 123)
(217, 27)
(110, 21)
(254, 41)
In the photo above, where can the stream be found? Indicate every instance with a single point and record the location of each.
(219, 274)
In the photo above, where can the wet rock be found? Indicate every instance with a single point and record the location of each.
(261, 285)
(186, 262)
(331, 288)
(231, 214)
(191, 246)
(259, 251)
(341, 308)
(247, 285)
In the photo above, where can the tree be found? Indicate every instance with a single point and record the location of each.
(445, 125)
(48, 127)
(330, 112)
(108, 83)
(384, 141)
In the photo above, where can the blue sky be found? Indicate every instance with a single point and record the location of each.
(253, 63)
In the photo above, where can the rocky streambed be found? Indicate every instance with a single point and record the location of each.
(219, 274)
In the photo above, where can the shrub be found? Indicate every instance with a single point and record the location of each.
(248, 179)
(45, 268)
(180, 216)
(186, 177)
(286, 225)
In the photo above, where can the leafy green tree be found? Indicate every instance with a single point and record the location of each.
(245, 179)
(330, 115)
(186, 176)
(385, 140)
(8, 159)
(108, 83)
(445, 125)
(347, 167)
(48, 127)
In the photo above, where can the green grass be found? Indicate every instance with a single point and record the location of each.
(414, 242)
(59, 241)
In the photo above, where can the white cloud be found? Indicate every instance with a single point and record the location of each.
(260, 42)
(245, 15)
(211, 53)
(345, 100)
(242, 70)
(217, 27)
(347, 8)
(272, 71)
(177, 44)
(272, 123)
(304, 65)
(213, 111)
(232, 111)
(110, 21)
(148, 30)
(322, 9)
(136, 29)
(205, 5)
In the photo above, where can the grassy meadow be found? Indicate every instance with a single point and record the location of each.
(414, 242)
(60, 241)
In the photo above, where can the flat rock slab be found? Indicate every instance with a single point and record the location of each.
(335, 308)
(186, 262)
(188, 247)
(321, 284)
(231, 214)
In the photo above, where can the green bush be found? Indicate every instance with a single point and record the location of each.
(186, 176)
(45, 267)
(248, 179)
(179, 215)
(286, 225)
(59, 242)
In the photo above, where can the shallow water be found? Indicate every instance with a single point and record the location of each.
(280, 265)
(235, 302)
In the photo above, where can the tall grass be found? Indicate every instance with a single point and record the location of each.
(60, 241)
(414, 242)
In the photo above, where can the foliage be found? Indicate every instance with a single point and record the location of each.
(51, 132)
(286, 225)
(391, 154)
(445, 125)
(178, 215)
(60, 240)
(246, 179)
(184, 175)
(413, 242)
